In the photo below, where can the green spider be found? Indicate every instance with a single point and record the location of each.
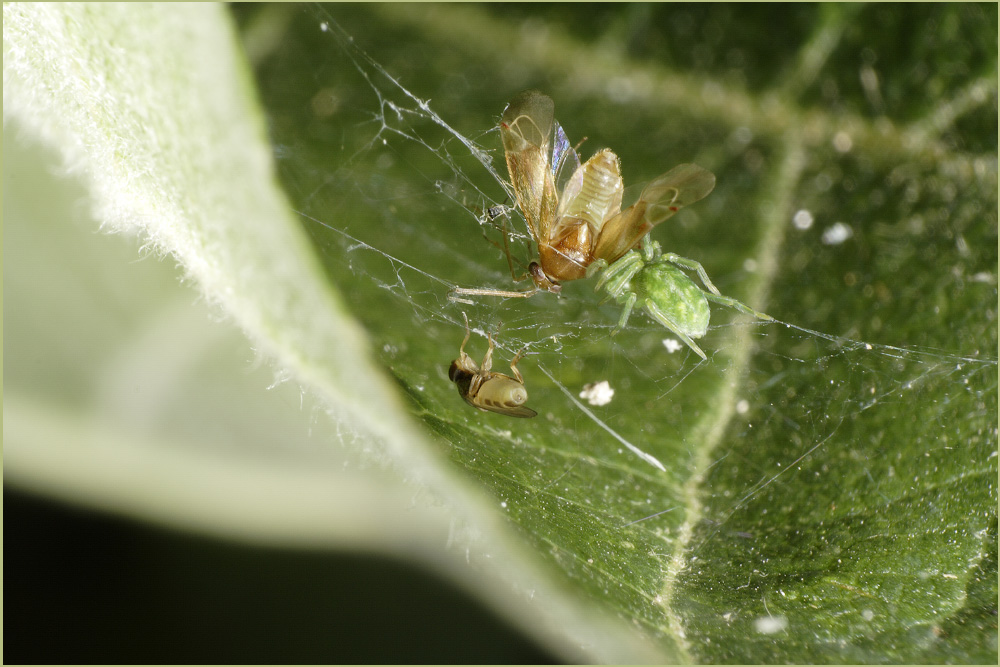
(653, 280)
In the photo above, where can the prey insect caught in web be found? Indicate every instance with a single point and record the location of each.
(482, 388)
(574, 213)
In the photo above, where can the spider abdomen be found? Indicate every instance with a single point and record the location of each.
(665, 288)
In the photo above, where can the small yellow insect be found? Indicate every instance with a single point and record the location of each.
(486, 390)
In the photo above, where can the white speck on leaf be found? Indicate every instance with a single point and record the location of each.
(802, 219)
(769, 625)
(597, 393)
(837, 233)
(672, 345)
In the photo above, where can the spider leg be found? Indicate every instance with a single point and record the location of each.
(661, 317)
(618, 275)
(694, 266)
(713, 294)
(623, 320)
(615, 280)
(650, 249)
(742, 307)
(595, 266)
(599, 266)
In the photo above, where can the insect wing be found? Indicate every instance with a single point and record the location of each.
(565, 161)
(526, 130)
(681, 186)
(519, 411)
(666, 195)
(522, 411)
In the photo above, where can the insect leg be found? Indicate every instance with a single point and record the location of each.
(488, 359)
(694, 266)
(476, 291)
(468, 332)
(661, 317)
(742, 307)
(506, 249)
(513, 364)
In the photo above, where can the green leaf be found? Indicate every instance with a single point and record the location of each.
(829, 493)
(121, 399)
(779, 463)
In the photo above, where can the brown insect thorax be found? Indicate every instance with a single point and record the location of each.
(567, 257)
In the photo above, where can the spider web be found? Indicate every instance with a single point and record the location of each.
(783, 418)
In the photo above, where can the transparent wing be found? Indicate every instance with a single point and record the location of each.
(565, 160)
(681, 186)
(526, 131)
(662, 198)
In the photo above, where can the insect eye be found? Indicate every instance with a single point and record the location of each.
(542, 280)
(453, 371)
